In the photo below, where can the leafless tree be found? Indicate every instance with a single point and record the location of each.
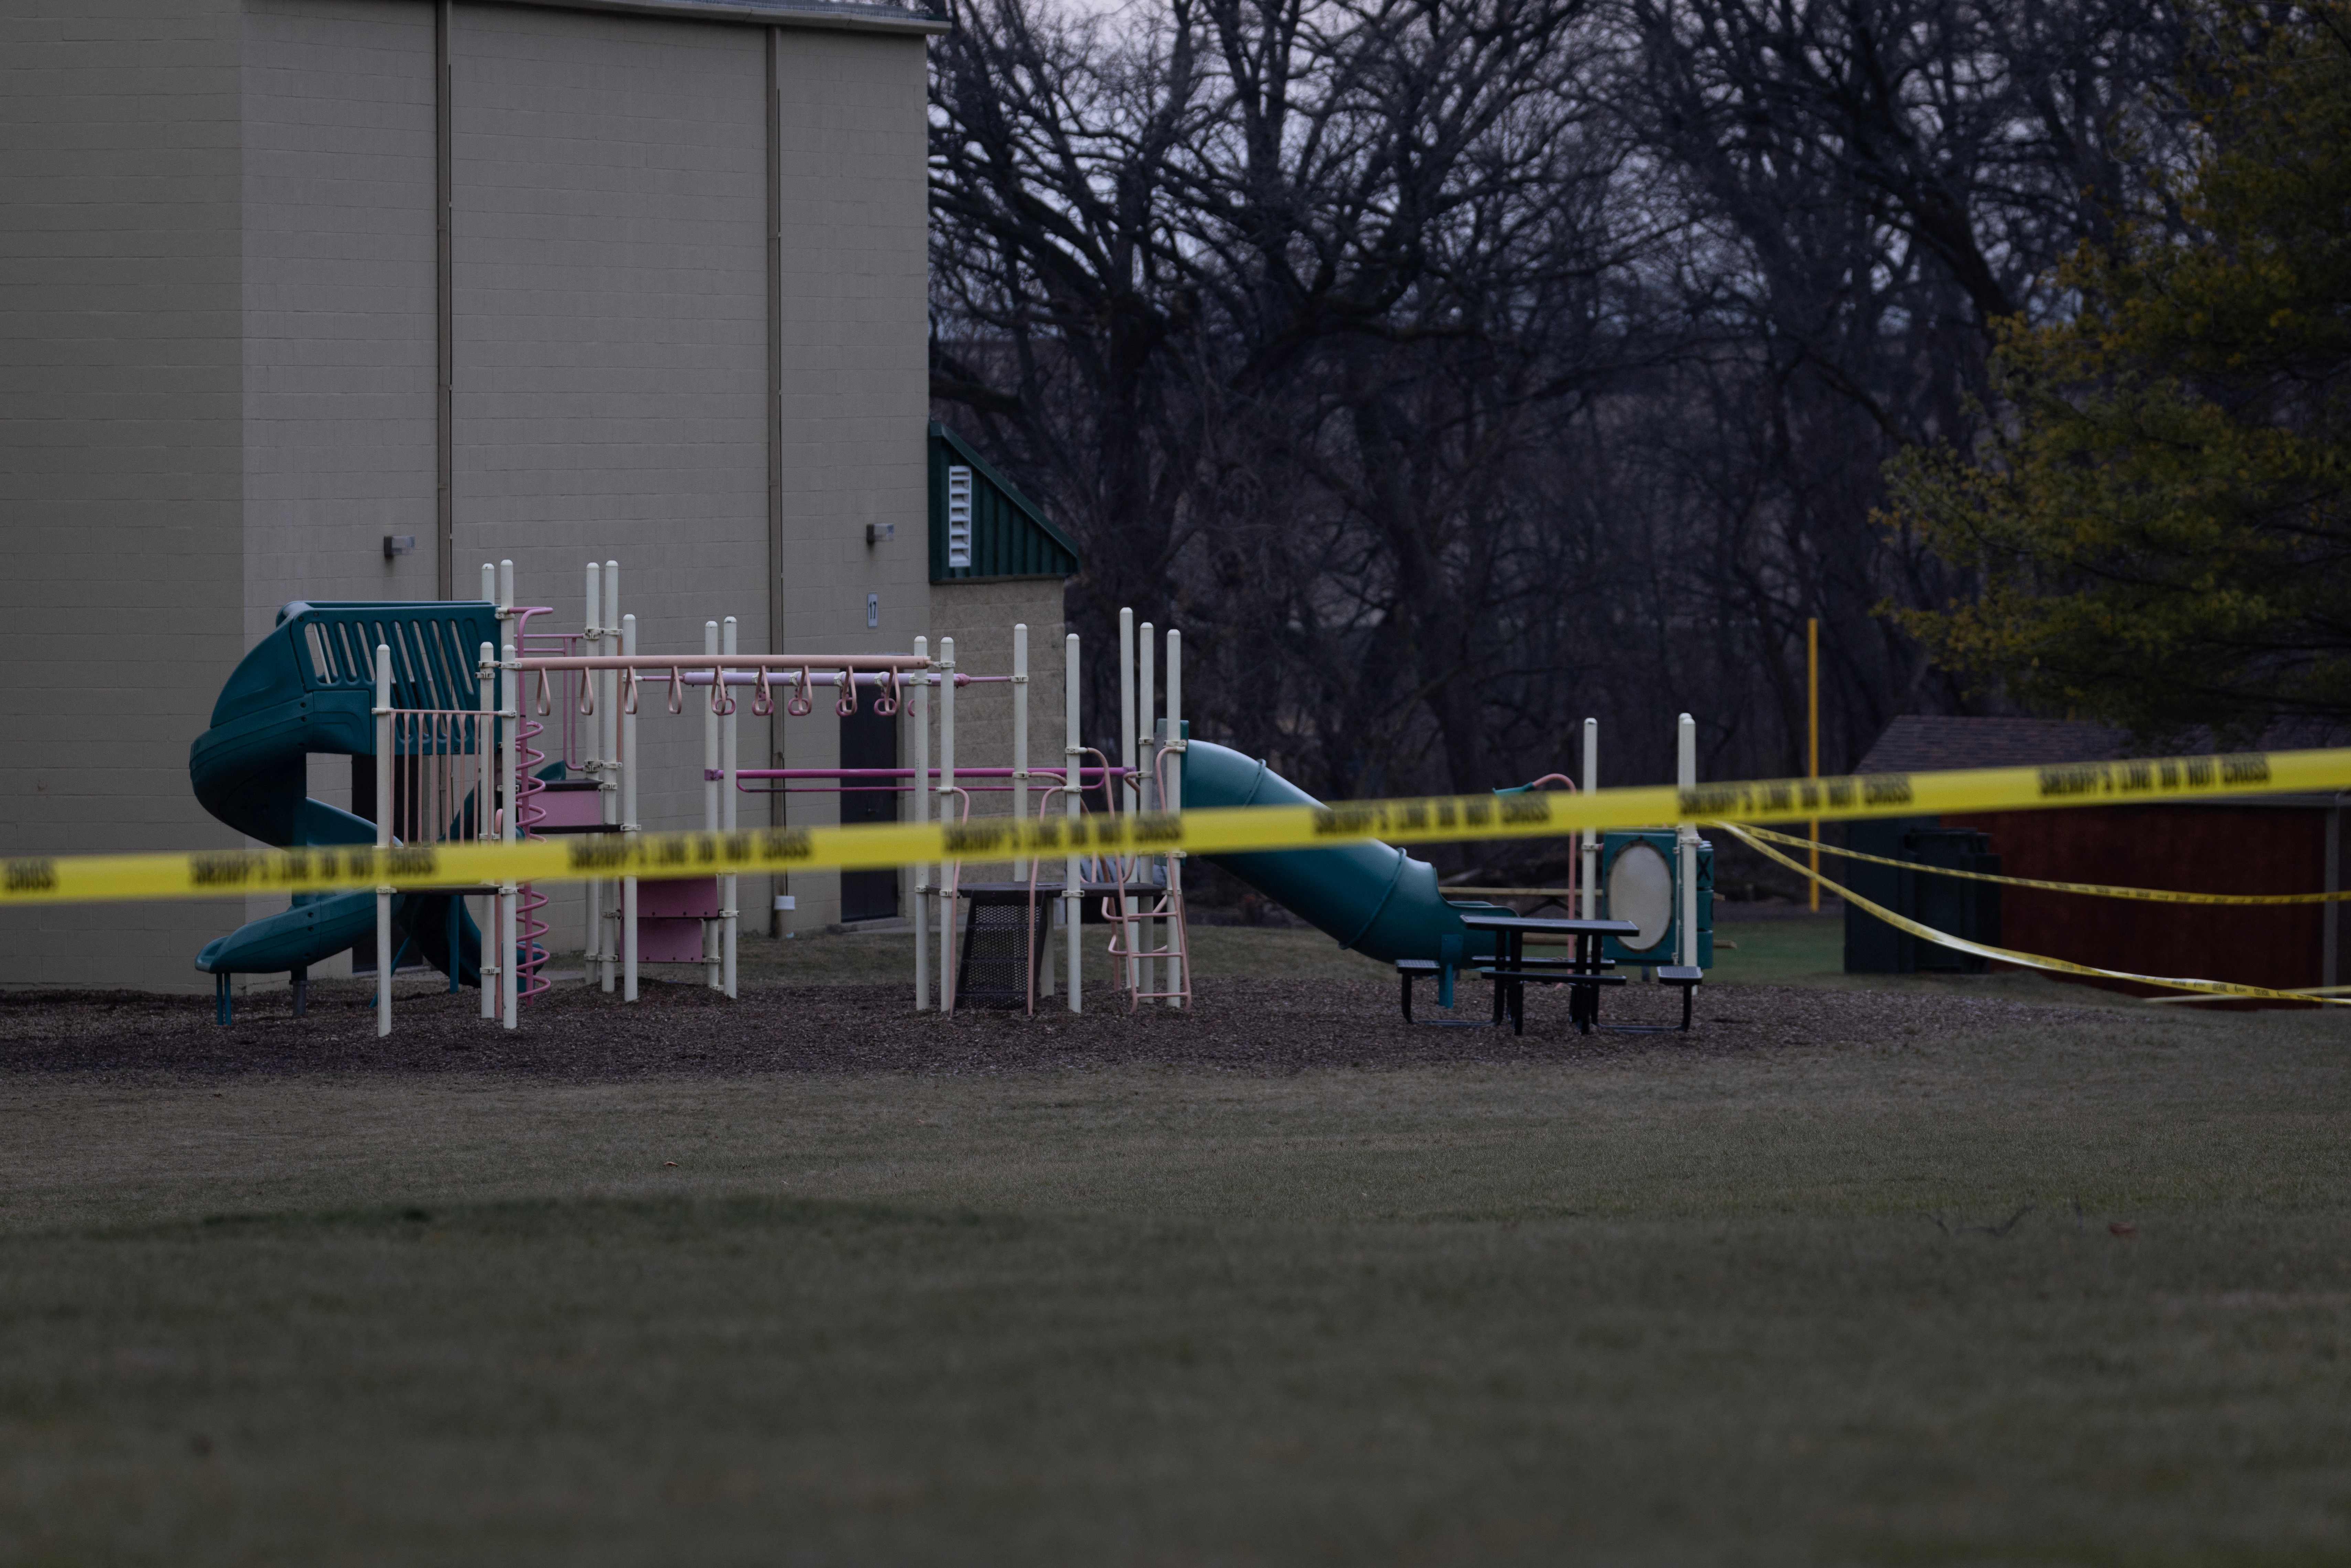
(1454, 368)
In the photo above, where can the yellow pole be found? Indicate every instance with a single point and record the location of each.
(1812, 686)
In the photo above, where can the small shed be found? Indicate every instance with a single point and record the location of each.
(983, 529)
(2244, 844)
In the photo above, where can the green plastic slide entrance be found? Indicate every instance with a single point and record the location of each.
(309, 688)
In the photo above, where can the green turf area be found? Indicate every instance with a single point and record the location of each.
(1794, 950)
(1809, 950)
(1665, 1307)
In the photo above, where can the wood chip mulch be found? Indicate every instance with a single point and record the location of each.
(1251, 1026)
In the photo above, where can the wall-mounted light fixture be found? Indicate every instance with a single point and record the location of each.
(399, 545)
(875, 533)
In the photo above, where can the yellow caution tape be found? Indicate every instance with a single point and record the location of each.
(2308, 993)
(2099, 890)
(1221, 831)
(2028, 960)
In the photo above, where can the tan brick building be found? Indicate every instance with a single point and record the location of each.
(637, 279)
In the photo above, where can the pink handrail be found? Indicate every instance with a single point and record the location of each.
(1087, 773)
(855, 662)
(1575, 866)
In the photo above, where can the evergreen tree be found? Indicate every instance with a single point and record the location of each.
(2162, 528)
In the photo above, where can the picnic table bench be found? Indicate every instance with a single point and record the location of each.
(1583, 973)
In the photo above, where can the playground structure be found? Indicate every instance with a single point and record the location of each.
(453, 701)
(483, 726)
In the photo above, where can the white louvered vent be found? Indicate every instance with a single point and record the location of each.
(958, 518)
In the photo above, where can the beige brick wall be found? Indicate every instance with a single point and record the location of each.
(217, 358)
(610, 286)
(856, 379)
(119, 372)
(339, 316)
(339, 301)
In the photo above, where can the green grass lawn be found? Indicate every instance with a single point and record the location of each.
(1795, 950)
(1809, 950)
(1669, 1306)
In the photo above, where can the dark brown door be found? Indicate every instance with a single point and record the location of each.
(869, 739)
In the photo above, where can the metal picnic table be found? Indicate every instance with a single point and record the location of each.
(1583, 973)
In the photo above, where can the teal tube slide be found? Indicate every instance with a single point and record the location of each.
(1371, 896)
(310, 687)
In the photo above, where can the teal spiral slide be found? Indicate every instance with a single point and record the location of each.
(309, 688)
(1371, 896)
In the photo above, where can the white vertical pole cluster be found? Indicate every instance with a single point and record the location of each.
(729, 755)
(920, 700)
(1020, 736)
(1174, 937)
(1074, 904)
(484, 794)
(610, 742)
(1146, 758)
(1129, 758)
(485, 809)
(608, 745)
(591, 643)
(948, 872)
(628, 760)
(1590, 897)
(1686, 843)
(711, 940)
(1151, 745)
(382, 839)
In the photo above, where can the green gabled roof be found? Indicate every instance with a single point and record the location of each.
(1009, 536)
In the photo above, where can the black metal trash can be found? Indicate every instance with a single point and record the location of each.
(1953, 905)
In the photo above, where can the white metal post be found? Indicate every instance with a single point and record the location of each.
(1174, 801)
(1147, 755)
(1686, 844)
(711, 939)
(383, 743)
(1074, 903)
(1591, 781)
(920, 713)
(1020, 736)
(485, 806)
(488, 772)
(629, 825)
(510, 753)
(607, 782)
(730, 908)
(592, 741)
(1127, 753)
(510, 733)
(948, 879)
